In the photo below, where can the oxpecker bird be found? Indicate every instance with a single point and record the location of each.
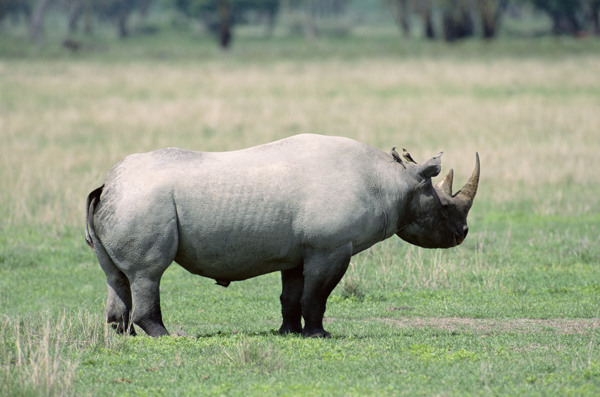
(396, 156)
(407, 156)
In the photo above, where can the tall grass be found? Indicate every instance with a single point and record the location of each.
(38, 354)
(395, 266)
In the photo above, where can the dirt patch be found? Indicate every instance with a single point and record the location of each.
(485, 326)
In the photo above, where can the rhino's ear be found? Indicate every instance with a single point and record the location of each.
(431, 167)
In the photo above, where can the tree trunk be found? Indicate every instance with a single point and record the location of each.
(596, 17)
(490, 12)
(144, 6)
(457, 21)
(75, 12)
(224, 23)
(404, 17)
(425, 10)
(37, 21)
(564, 24)
(401, 12)
(122, 29)
(427, 14)
(88, 18)
(429, 32)
(270, 15)
(310, 29)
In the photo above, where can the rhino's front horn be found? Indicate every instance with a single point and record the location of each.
(445, 185)
(468, 191)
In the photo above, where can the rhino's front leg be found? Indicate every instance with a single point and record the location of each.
(322, 272)
(292, 285)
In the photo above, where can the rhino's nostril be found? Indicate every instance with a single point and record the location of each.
(465, 230)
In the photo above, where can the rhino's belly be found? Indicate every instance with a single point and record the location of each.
(233, 272)
(234, 257)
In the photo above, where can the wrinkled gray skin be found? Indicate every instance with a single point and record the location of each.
(302, 205)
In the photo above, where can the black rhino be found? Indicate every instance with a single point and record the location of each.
(303, 206)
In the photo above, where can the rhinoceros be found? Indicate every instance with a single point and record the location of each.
(303, 206)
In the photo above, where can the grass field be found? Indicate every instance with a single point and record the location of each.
(514, 310)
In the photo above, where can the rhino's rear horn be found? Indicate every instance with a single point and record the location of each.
(445, 184)
(469, 190)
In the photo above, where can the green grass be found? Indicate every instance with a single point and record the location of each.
(514, 310)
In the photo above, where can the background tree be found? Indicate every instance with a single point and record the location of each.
(224, 12)
(117, 11)
(594, 15)
(401, 10)
(490, 12)
(425, 9)
(37, 19)
(567, 15)
(15, 9)
(76, 9)
(457, 19)
(315, 17)
(220, 16)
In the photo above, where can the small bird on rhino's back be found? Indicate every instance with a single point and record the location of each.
(396, 156)
(407, 156)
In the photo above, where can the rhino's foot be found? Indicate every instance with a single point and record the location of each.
(316, 333)
(289, 329)
(155, 330)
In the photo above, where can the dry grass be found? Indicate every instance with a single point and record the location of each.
(36, 354)
(63, 125)
(249, 353)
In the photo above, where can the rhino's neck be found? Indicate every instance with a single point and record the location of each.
(395, 199)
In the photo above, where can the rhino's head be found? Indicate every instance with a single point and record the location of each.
(434, 217)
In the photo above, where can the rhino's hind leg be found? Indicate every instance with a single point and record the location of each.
(146, 305)
(118, 304)
(144, 266)
(292, 285)
(322, 272)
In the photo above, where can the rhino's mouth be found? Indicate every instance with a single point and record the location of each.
(460, 237)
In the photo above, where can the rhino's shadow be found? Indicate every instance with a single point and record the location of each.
(272, 333)
(227, 334)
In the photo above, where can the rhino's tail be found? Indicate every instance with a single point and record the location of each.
(92, 201)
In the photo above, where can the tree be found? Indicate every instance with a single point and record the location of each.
(458, 17)
(567, 15)
(220, 16)
(457, 20)
(489, 13)
(425, 9)
(37, 20)
(594, 15)
(117, 11)
(77, 9)
(402, 13)
(316, 17)
(224, 12)
(15, 9)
